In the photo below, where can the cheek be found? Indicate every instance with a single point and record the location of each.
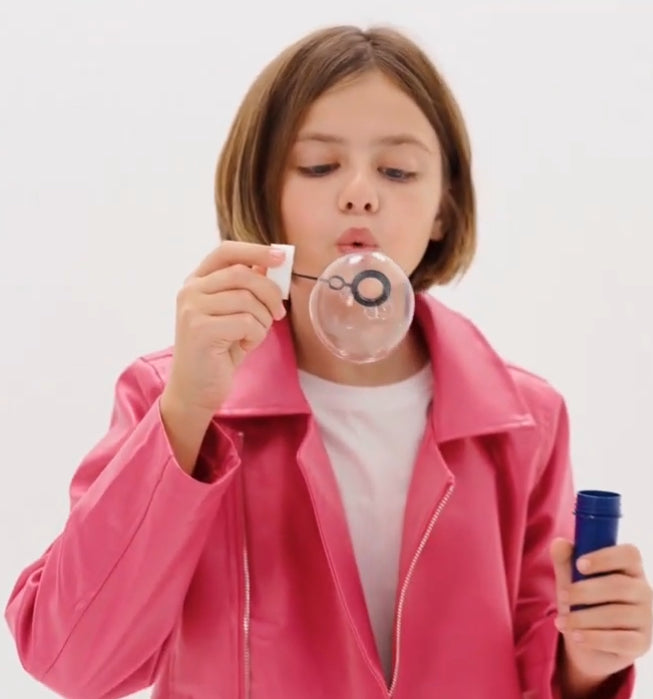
(415, 218)
(422, 201)
(291, 208)
(299, 205)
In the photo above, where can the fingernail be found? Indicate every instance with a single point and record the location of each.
(583, 565)
(277, 255)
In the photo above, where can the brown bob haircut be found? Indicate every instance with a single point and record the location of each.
(250, 168)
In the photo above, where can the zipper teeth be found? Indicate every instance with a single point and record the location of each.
(246, 622)
(409, 575)
(247, 669)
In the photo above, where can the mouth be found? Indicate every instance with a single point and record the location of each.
(357, 240)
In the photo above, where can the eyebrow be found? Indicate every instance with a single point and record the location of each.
(392, 140)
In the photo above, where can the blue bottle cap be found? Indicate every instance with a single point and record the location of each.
(598, 503)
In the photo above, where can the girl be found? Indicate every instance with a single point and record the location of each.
(266, 519)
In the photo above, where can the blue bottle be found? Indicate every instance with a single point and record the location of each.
(597, 518)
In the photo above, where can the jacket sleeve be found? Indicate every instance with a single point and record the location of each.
(550, 514)
(92, 616)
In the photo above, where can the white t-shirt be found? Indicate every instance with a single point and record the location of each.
(372, 435)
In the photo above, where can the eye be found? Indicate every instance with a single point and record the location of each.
(394, 173)
(317, 170)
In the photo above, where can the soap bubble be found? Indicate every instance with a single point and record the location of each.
(362, 306)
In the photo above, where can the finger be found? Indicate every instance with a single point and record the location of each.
(241, 328)
(624, 558)
(615, 587)
(231, 252)
(234, 302)
(561, 552)
(623, 617)
(628, 643)
(241, 277)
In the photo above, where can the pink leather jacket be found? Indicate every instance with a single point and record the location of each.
(242, 583)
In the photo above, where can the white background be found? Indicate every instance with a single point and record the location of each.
(111, 118)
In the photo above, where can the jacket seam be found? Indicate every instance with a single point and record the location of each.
(115, 565)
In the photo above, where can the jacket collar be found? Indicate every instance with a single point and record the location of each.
(474, 391)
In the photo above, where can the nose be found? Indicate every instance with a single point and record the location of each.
(358, 195)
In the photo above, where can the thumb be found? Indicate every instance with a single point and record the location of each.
(562, 552)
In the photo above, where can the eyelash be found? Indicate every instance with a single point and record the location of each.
(322, 170)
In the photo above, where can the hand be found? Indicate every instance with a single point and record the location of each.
(602, 640)
(224, 310)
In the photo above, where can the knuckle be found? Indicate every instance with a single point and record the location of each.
(581, 593)
(647, 594)
(250, 323)
(182, 294)
(245, 297)
(238, 272)
(188, 288)
(633, 553)
(223, 249)
(258, 333)
(185, 310)
(624, 590)
(262, 332)
(620, 587)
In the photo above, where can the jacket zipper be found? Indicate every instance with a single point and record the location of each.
(247, 670)
(404, 588)
(400, 607)
(246, 619)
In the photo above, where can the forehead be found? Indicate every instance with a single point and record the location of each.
(369, 107)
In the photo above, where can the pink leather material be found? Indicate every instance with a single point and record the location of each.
(242, 583)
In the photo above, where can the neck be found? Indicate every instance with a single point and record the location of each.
(406, 359)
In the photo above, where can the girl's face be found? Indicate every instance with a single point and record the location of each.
(366, 164)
